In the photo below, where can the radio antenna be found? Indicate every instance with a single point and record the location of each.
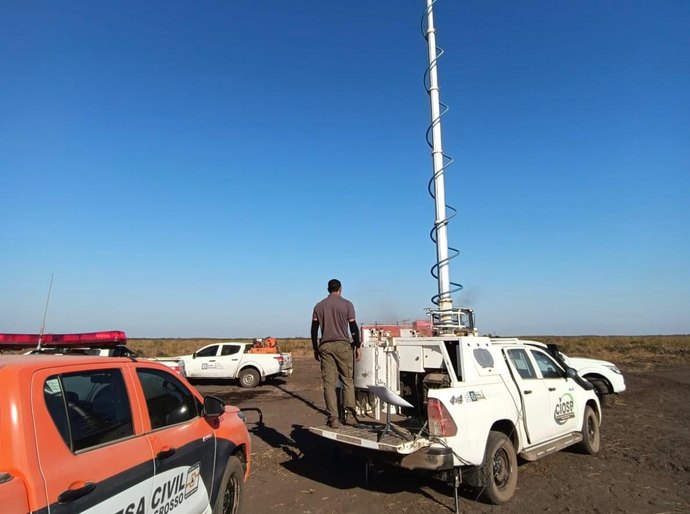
(45, 313)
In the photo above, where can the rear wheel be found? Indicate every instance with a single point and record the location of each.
(231, 490)
(249, 377)
(499, 471)
(591, 437)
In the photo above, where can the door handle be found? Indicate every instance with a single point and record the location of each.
(165, 453)
(76, 490)
(528, 391)
(234, 359)
(212, 360)
(552, 388)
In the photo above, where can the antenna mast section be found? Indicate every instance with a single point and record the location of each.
(445, 319)
(445, 301)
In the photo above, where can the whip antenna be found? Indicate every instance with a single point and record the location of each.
(45, 312)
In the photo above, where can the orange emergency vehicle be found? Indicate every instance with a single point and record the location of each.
(104, 435)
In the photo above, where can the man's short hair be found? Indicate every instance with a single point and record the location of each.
(334, 285)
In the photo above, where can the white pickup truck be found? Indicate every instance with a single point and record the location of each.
(469, 406)
(605, 376)
(115, 351)
(230, 360)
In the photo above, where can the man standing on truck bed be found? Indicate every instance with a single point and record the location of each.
(334, 314)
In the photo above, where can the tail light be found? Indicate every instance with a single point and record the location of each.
(441, 423)
(279, 358)
(176, 369)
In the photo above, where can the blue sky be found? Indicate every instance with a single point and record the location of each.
(191, 169)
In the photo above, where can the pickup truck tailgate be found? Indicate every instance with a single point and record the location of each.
(287, 361)
(367, 436)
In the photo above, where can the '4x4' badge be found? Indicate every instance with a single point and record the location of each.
(455, 399)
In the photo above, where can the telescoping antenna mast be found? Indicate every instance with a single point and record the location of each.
(445, 319)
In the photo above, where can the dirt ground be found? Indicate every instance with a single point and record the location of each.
(643, 466)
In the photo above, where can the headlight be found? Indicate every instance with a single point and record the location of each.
(614, 369)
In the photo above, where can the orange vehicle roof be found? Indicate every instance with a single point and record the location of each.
(38, 361)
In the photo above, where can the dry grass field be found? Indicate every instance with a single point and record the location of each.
(637, 350)
(170, 347)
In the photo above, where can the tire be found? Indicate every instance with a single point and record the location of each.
(607, 400)
(499, 470)
(591, 436)
(231, 493)
(601, 387)
(249, 377)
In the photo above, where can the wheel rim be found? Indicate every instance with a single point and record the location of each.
(501, 468)
(230, 496)
(248, 379)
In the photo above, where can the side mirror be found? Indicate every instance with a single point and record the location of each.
(213, 406)
(122, 351)
(572, 373)
(194, 355)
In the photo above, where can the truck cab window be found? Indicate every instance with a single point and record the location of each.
(89, 408)
(211, 351)
(547, 366)
(521, 361)
(229, 349)
(168, 401)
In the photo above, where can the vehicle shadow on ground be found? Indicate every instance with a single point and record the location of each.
(324, 461)
(231, 393)
(275, 439)
(302, 399)
(212, 381)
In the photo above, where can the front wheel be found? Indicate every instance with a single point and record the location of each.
(231, 490)
(499, 470)
(249, 377)
(591, 437)
(603, 390)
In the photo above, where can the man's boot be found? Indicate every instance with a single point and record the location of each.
(351, 417)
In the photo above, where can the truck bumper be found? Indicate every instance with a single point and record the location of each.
(286, 372)
(429, 459)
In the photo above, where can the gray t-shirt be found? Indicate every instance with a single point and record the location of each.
(334, 313)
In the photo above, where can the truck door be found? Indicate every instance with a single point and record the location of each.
(183, 443)
(566, 414)
(229, 360)
(204, 363)
(92, 453)
(534, 395)
(13, 497)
